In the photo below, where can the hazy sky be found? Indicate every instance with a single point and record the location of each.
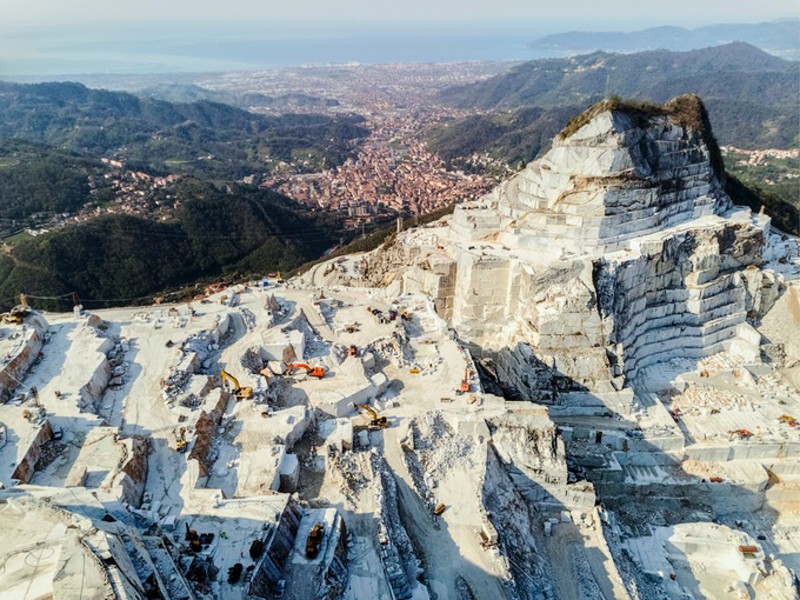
(582, 14)
(150, 36)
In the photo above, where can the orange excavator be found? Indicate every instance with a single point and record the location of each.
(464, 383)
(318, 371)
(376, 421)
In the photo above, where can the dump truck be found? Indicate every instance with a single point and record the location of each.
(375, 421)
(241, 393)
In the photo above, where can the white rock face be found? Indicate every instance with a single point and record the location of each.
(613, 180)
(616, 250)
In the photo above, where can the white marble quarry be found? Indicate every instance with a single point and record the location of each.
(610, 182)
(617, 250)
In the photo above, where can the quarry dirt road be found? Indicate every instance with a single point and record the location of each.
(441, 549)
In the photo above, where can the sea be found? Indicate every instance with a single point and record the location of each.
(153, 50)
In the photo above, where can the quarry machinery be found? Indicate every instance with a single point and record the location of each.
(318, 371)
(464, 383)
(193, 538)
(180, 440)
(314, 540)
(376, 421)
(17, 314)
(241, 393)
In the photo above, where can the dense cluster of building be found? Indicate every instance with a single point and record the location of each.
(393, 171)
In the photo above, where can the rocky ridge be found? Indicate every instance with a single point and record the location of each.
(616, 250)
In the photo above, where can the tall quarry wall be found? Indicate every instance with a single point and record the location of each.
(616, 250)
(24, 354)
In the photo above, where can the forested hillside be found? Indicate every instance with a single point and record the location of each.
(750, 95)
(204, 225)
(205, 139)
(36, 178)
(232, 232)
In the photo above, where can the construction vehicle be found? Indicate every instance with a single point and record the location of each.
(464, 383)
(440, 508)
(314, 540)
(318, 371)
(180, 440)
(405, 315)
(488, 535)
(742, 434)
(193, 539)
(241, 393)
(788, 419)
(377, 421)
(280, 589)
(235, 573)
(17, 314)
(352, 328)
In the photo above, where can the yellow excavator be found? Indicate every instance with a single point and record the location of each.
(241, 393)
(180, 440)
(318, 372)
(314, 540)
(17, 314)
(379, 422)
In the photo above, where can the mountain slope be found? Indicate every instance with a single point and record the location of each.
(513, 137)
(200, 138)
(35, 178)
(584, 78)
(214, 233)
(778, 37)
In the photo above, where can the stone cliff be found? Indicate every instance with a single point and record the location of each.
(616, 250)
